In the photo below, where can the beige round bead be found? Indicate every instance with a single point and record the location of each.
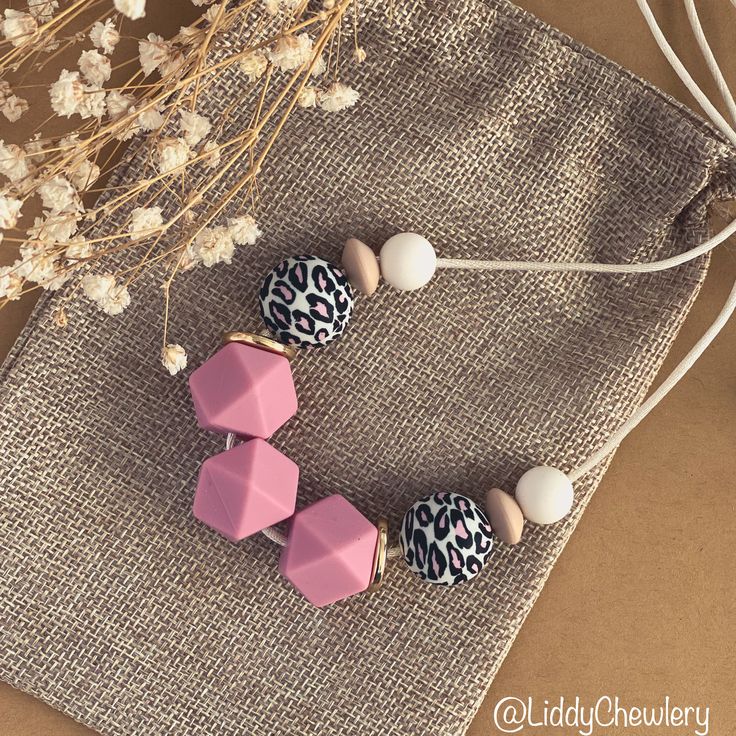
(361, 266)
(408, 261)
(507, 520)
(545, 495)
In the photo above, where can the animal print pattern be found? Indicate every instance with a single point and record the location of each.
(306, 301)
(445, 538)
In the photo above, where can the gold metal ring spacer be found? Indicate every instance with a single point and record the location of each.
(379, 559)
(262, 342)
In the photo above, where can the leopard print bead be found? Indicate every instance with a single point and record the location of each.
(445, 538)
(306, 301)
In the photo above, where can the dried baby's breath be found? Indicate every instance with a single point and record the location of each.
(18, 27)
(105, 36)
(95, 67)
(290, 52)
(337, 97)
(194, 127)
(60, 317)
(132, 9)
(175, 217)
(254, 65)
(10, 208)
(174, 358)
(13, 107)
(307, 97)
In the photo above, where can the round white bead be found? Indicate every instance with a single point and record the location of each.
(408, 261)
(544, 494)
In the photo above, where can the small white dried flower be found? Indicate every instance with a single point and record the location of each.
(189, 35)
(194, 127)
(127, 131)
(174, 358)
(13, 107)
(104, 35)
(85, 174)
(34, 149)
(28, 251)
(66, 93)
(291, 52)
(254, 65)
(18, 27)
(57, 228)
(57, 281)
(78, 249)
(93, 103)
(144, 218)
(58, 195)
(213, 157)
(328, 4)
(118, 299)
(97, 286)
(172, 152)
(212, 12)
(118, 104)
(104, 290)
(42, 10)
(337, 97)
(9, 211)
(132, 9)
(43, 268)
(13, 162)
(319, 67)
(153, 52)
(59, 317)
(213, 245)
(11, 282)
(307, 97)
(243, 230)
(95, 67)
(150, 119)
(186, 261)
(173, 64)
(273, 7)
(5, 89)
(359, 55)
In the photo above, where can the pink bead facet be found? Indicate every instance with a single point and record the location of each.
(245, 390)
(329, 553)
(245, 489)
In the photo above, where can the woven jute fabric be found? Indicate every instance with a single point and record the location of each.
(496, 137)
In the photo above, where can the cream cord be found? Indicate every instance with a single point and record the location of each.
(622, 268)
(667, 385)
(708, 107)
(710, 59)
(649, 267)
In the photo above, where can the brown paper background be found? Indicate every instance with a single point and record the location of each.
(641, 602)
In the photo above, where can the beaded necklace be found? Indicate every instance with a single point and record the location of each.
(245, 390)
(331, 551)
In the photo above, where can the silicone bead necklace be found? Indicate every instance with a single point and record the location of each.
(245, 390)
(332, 551)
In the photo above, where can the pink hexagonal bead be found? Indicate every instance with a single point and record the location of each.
(329, 552)
(245, 390)
(245, 489)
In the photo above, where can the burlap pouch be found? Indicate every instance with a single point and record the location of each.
(495, 136)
